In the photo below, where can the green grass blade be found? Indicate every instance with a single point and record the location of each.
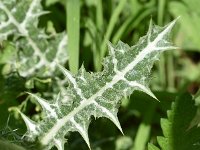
(110, 28)
(99, 14)
(161, 9)
(170, 72)
(131, 23)
(143, 132)
(98, 34)
(73, 27)
(161, 64)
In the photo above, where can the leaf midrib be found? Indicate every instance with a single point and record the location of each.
(119, 76)
(23, 31)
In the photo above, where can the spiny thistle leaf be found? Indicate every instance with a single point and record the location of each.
(178, 134)
(98, 94)
(37, 51)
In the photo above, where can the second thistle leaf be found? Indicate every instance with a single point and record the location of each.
(37, 52)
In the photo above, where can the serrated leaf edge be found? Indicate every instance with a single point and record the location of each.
(119, 76)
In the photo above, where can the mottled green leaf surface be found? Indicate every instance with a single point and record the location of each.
(98, 94)
(37, 52)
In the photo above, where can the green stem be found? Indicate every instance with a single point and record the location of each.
(170, 71)
(73, 30)
(111, 25)
(143, 132)
(161, 10)
(161, 65)
(132, 22)
(161, 71)
(98, 33)
(99, 15)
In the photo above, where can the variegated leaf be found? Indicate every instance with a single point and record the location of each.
(99, 94)
(38, 52)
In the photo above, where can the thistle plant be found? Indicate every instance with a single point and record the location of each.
(99, 94)
(96, 94)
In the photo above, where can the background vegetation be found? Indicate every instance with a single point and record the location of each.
(89, 25)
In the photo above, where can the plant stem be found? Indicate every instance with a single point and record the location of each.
(99, 15)
(161, 65)
(143, 132)
(112, 22)
(170, 71)
(132, 22)
(73, 29)
(161, 9)
(98, 33)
